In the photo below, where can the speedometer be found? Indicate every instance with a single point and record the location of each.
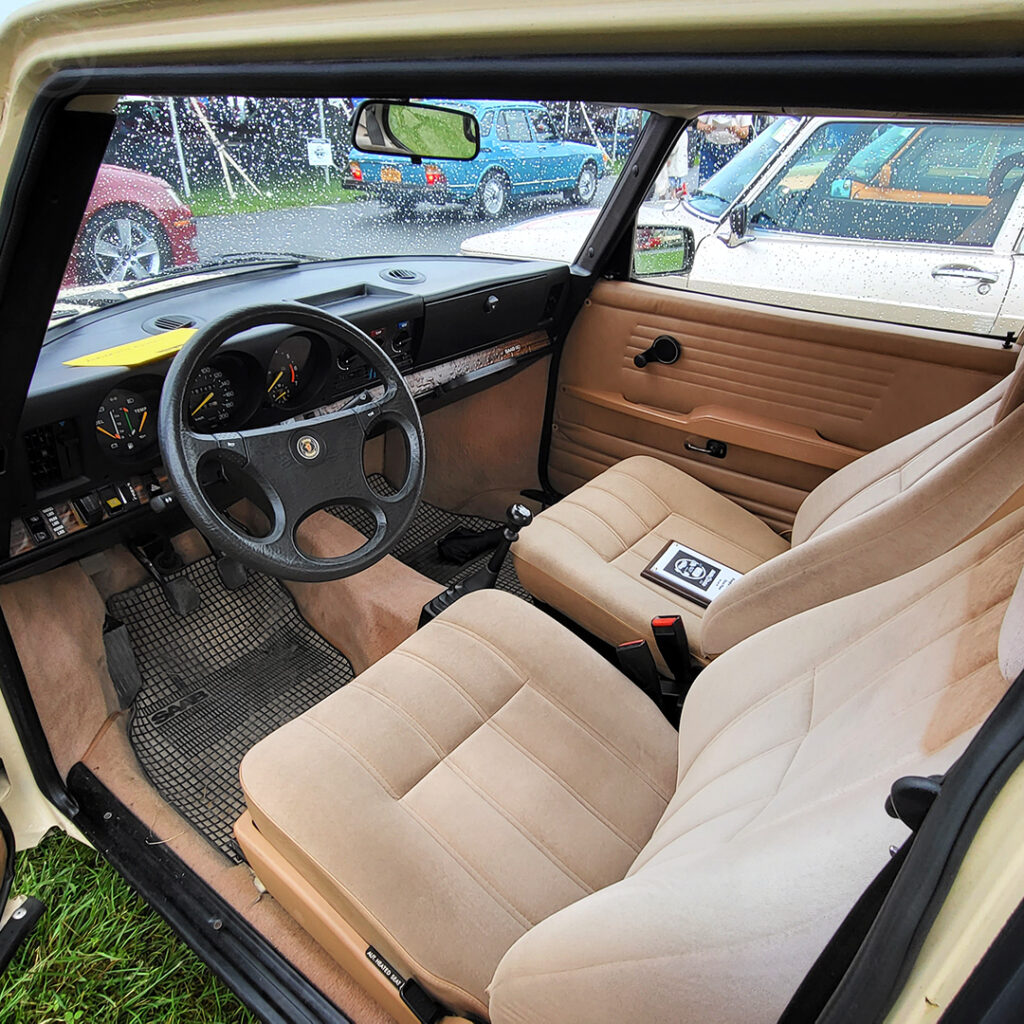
(211, 398)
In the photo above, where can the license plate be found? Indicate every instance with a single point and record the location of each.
(391, 175)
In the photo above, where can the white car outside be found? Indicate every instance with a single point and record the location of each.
(896, 220)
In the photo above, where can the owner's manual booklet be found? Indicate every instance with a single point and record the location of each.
(697, 577)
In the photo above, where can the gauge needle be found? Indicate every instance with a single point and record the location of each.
(108, 433)
(274, 381)
(117, 432)
(202, 403)
(142, 423)
(131, 429)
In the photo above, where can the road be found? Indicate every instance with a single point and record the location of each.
(360, 228)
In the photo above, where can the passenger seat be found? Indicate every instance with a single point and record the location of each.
(877, 518)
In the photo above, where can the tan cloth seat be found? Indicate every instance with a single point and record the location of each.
(884, 514)
(488, 797)
(466, 787)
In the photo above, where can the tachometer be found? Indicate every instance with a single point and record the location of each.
(211, 399)
(124, 424)
(286, 374)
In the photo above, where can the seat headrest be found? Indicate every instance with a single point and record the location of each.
(1014, 396)
(1011, 635)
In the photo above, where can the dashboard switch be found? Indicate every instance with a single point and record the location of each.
(36, 526)
(88, 508)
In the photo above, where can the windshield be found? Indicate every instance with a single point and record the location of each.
(213, 184)
(717, 194)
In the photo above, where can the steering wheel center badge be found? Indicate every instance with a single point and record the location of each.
(307, 447)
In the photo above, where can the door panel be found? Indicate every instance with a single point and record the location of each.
(924, 284)
(794, 395)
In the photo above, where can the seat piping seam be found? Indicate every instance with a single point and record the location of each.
(520, 826)
(540, 763)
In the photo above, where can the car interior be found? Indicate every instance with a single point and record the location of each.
(340, 578)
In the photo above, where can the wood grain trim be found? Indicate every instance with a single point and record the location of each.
(759, 433)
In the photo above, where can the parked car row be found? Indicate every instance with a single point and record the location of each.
(908, 221)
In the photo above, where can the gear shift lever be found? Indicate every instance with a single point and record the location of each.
(517, 517)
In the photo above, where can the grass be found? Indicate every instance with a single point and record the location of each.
(100, 954)
(430, 133)
(282, 196)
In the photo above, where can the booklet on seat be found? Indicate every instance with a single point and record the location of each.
(697, 577)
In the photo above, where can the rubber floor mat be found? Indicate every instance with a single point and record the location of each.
(214, 683)
(418, 546)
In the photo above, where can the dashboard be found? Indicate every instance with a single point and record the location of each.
(87, 460)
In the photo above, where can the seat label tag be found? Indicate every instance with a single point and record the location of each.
(384, 967)
(697, 577)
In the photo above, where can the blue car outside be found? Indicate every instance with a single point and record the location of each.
(521, 153)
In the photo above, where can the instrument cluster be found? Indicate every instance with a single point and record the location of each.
(233, 389)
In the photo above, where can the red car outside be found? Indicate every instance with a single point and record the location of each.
(134, 227)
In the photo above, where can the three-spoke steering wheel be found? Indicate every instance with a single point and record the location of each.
(299, 466)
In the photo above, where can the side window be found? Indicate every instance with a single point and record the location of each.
(516, 127)
(542, 130)
(939, 184)
(885, 219)
(485, 124)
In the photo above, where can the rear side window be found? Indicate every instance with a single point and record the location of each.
(513, 126)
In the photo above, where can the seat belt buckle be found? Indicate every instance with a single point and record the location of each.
(637, 662)
(670, 636)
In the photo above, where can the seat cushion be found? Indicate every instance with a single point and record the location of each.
(585, 554)
(483, 775)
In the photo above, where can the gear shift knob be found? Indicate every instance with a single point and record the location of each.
(518, 516)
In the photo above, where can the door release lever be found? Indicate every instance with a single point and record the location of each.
(716, 449)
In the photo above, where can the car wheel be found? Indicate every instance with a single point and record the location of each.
(492, 196)
(586, 184)
(122, 243)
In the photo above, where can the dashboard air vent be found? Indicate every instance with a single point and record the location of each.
(169, 322)
(403, 275)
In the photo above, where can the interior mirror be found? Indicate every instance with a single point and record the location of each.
(662, 249)
(736, 233)
(416, 130)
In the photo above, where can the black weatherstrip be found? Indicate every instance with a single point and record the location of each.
(238, 954)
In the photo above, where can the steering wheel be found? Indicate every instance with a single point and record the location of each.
(1001, 169)
(299, 466)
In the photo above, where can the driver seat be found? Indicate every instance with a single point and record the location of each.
(493, 810)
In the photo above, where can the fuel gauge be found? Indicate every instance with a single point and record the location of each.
(124, 425)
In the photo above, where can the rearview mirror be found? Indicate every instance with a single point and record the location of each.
(416, 130)
(662, 249)
(736, 233)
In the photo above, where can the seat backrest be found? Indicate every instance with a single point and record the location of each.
(887, 513)
(787, 748)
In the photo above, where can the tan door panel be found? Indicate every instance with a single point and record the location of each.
(794, 395)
